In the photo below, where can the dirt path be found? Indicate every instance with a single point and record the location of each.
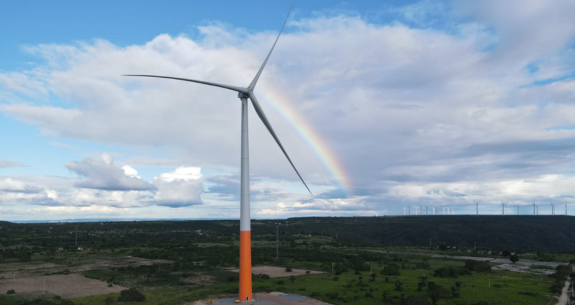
(564, 295)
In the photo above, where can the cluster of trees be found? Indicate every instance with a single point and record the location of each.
(23, 254)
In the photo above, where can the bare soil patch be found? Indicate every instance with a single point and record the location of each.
(66, 286)
(275, 272)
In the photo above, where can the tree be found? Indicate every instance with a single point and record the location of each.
(514, 258)
(398, 285)
(391, 269)
(437, 292)
(131, 295)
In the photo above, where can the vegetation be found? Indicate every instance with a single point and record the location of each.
(191, 260)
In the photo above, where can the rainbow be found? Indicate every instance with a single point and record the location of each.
(284, 108)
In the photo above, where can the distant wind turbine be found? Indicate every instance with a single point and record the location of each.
(476, 208)
(245, 93)
(502, 208)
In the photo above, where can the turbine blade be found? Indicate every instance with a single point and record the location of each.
(264, 119)
(233, 88)
(255, 80)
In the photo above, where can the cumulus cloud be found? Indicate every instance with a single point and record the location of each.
(102, 174)
(179, 188)
(11, 185)
(412, 110)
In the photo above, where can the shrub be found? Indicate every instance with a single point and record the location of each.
(281, 282)
(417, 300)
(131, 295)
(264, 277)
(391, 269)
(336, 278)
(514, 258)
(288, 269)
(307, 272)
(11, 291)
(446, 271)
(422, 265)
(531, 294)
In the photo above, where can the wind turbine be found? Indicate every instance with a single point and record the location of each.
(502, 208)
(533, 208)
(476, 208)
(245, 93)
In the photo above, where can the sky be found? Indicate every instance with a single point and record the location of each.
(383, 106)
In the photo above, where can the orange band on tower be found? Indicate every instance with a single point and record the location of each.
(245, 266)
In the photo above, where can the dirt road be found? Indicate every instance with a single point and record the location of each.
(564, 295)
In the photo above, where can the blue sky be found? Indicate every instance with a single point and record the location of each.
(431, 103)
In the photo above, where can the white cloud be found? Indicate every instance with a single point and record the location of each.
(426, 113)
(181, 187)
(11, 185)
(102, 174)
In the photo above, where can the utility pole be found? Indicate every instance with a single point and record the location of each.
(502, 208)
(533, 208)
(565, 209)
(409, 210)
(277, 243)
(428, 214)
(476, 208)
(76, 236)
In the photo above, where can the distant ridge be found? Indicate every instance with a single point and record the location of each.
(112, 220)
(513, 232)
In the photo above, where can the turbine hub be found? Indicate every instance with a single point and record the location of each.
(242, 95)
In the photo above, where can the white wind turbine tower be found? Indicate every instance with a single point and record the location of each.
(403, 210)
(565, 208)
(502, 208)
(245, 93)
(533, 208)
(476, 208)
(552, 209)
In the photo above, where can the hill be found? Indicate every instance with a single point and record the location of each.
(538, 233)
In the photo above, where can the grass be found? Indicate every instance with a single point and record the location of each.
(497, 287)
